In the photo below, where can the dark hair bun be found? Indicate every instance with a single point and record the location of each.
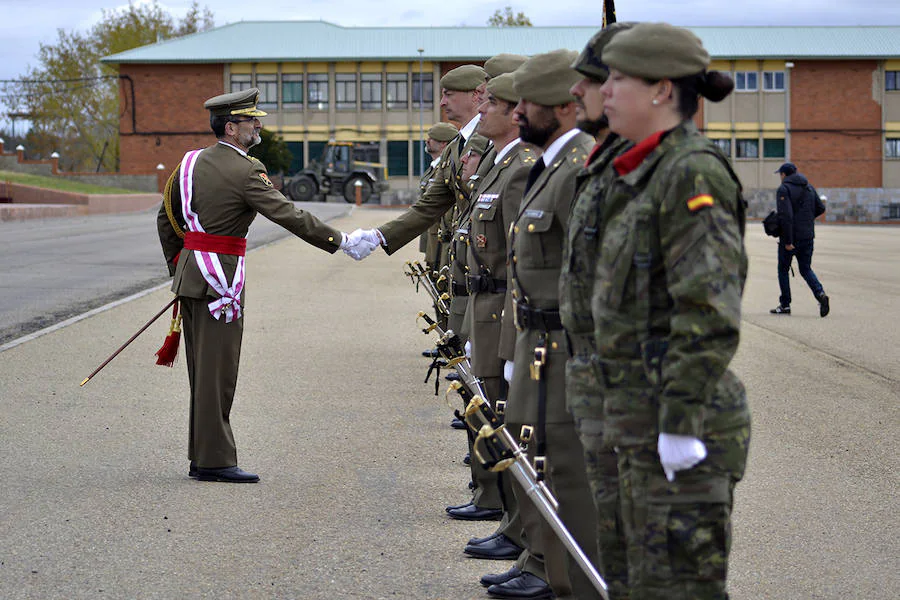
(715, 85)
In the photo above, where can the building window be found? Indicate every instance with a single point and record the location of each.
(892, 81)
(723, 145)
(292, 91)
(370, 91)
(773, 81)
(240, 83)
(345, 91)
(397, 90)
(268, 91)
(747, 149)
(773, 148)
(423, 90)
(892, 148)
(317, 91)
(747, 81)
(398, 158)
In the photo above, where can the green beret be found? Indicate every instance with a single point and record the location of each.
(656, 51)
(546, 78)
(477, 144)
(588, 62)
(501, 87)
(464, 79)
(442, 132)
(503, 63)
(235, 103)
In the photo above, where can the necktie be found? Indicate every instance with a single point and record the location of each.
(534, 173)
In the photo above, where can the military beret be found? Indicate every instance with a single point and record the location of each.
(503, 63)
(235, 103)
(546, 78)
(656, 51)
(464, 79)
(588, 62)
(501, 87)
(477, 144)
(442, 132)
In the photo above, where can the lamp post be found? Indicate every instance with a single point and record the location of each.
(787, 111)
(421, 115)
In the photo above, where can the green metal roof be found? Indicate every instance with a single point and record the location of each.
(282, 41)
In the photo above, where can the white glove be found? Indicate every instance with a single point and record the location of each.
(468, 349)
(373, 236)
(355, 245)
(508, 371)
(679, 452)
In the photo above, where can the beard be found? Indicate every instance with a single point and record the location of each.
(593, 126)
(536, 134)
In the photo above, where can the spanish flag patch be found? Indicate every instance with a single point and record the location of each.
(698, 202)
(268, 182)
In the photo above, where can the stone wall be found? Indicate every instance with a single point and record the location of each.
(843, 205)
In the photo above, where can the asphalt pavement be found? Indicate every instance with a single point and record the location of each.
(357, 459)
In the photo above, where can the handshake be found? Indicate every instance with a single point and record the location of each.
(360, 243)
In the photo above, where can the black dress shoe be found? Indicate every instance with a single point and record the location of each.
(499, 548)
(226, 474)
(471, 485)
(192, 470)
(525, 585)
(458, 506)
(467, 460)
(454, 376)
(482, 540)
(432, 353)
(498, 578)
(475, 513)
(457, 423)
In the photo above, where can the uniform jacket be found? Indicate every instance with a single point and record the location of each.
(229, 190)
(536, 242)
(667, 296)
(495, 204)
(798, 206)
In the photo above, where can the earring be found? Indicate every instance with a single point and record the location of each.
(655, 102)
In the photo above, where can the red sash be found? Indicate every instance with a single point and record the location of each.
(220, 244)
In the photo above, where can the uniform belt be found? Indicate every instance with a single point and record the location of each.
(537, 318)
(580, 344)
(458, 289)
(483, 283)
(220, 244)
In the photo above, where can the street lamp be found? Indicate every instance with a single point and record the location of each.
(787, 111)
(421, 115)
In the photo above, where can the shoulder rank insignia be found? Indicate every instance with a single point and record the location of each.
(265, 179)
(698, 202)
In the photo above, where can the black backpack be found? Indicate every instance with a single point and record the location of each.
(771, 224)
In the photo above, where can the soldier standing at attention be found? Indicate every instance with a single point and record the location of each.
(667, 311)
(576, 287)
(209, 203)
(546, 117)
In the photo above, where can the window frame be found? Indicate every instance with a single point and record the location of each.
(774, 75)
(890, 142)
(241, 79)
(317, 83)
(738, 147)
(267, 83)
(745, 88)
(368, 83)
(426, 85)
(292, 79)
(393, 81)
(345, 91)
(894, 76)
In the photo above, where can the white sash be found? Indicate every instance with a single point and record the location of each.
(229, 296)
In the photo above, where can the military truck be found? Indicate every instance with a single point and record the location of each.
(337, 172)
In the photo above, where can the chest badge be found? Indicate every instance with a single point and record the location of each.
(481, 241)
(265, 179)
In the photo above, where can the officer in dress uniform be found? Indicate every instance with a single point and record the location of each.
(575, 290)
(439, 135)
(546, 115)
(209, 202)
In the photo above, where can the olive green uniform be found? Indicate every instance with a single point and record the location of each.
(666, 308)
(576, 286)
(536, 243)
(229, 189)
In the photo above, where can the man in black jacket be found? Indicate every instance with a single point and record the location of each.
(798, 205)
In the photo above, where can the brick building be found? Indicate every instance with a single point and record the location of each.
(827, 98)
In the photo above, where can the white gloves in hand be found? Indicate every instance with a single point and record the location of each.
(360, 243)
(508, 371)
(679, 452)
(468, 349)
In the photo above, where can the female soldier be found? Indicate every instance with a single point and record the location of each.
(666, 308)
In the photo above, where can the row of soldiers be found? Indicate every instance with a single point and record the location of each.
(514, 200)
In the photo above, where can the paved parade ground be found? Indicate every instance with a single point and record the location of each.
(357, 460)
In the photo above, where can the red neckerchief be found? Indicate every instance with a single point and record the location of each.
(628, 162)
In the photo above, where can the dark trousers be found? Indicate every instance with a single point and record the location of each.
(213, 352)
(803, 250)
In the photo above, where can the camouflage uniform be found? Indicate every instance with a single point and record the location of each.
(582, 390)
(667, 308)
